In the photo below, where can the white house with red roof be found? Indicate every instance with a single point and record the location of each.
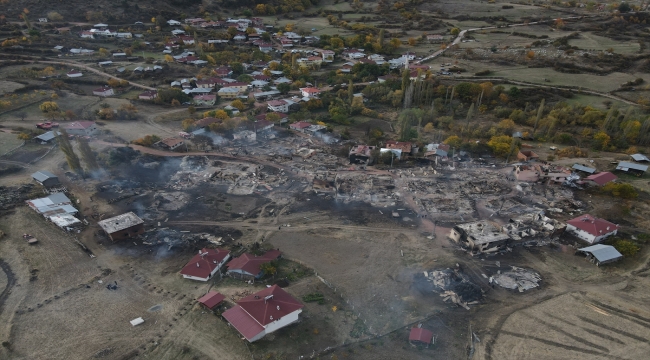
(249, 265)
(103, 91)
(205, 264)
(310, 92)
(82, 128)
(263, 313)
(148, 95)
(74, 74)
(300, 126)
(591, 229)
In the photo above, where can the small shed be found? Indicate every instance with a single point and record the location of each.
(640, 157)
(584, 169)
(46, 178)
(420, 336)
(601, 254)
(211, 300)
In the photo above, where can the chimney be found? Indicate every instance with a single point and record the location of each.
(197, 264)
(278, 307)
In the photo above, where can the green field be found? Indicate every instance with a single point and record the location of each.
(589, 41)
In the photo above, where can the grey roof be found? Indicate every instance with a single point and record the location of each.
(42, 175)
(624, 165)
(120, 222)
(586, 169)
(639, 157)
(603, 253)
(198, 131)
(47, 136)
(440, 152)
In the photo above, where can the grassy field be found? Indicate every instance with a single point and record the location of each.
(590, 41)
(8, 141)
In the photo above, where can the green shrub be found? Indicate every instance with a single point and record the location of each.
(627, 248)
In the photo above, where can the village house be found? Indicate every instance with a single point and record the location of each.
(265, 47)
(583, 169)
(228, 93)
(148, 95)
(124, 35)
(204, 100)
(279, 105)
(240, 86)
(347, 67)
(264, 312)
(479, 236)
(591, 229)
(310, 92)
(260, 125)
(283, 117)
(103, 91)
(81, 128)
(74, 74)
(244, 135)
(248, 266)
(223, 71)
(46, 178)
(170, 143)
(310, 62)
(409, 55)
(300, 126)
(205, 264)
(173, 22)
(399, 148)
(123, 226)
(87, 35)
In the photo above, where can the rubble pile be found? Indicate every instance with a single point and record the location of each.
(533, 225)
(518, 278)
(454, 286)
(377, 190)
(173, 238)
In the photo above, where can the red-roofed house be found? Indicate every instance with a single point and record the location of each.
(278, 106)
(205, 100)
(600, 179)
(206, 122)
(420, 335)
(591, 229)
(249, 266)
(148, 95)
(211, 300)
(223, 71)
(205, 264)
(263, 313)
(82, 128)
(103, 91)
(300, 126)
(170, 143)
(310, 92)
(74, 73)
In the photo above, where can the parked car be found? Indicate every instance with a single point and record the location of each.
(47, 125)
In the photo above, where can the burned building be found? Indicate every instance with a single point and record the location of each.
(361, 154)
(533, 225)
(479, 236)
(123, 226)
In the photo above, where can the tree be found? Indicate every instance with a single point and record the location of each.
(221, 114)
(147, 140)
(502, 145)
(68, 151)
(350, 92)
(530, 55)
(622, 190)
(540, 111)
(453, 141)
(412, 41)
(395, 43)
(454, 31)
(103, 52)
(112, 82)
(49, 106)
(284, 88)
(24, 136)
(601, 140)
(380, 39)
(238, 104)
(169, 58)
(54, 16)
(187, 124)
(87, 155)
(269, 268)
(624, 7)
(273, 117)
(627, 248)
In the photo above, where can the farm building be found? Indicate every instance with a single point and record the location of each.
(123, 226)
(74, 74)
(640, 157)
(632, 168)
(601, 254)
(103, 91)
(81, 128)
(53, 204)
(248, 266)
(211, 300)
(170, 143)
(591, 229)
(420, 336)
(46, 178)
(599, 179)
(584, 169)
(264, 312)
(47, 137)
(205, 264)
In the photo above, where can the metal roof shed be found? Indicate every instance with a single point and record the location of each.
(639, 157)
(583, 168)
(602, 254)
(632, 167)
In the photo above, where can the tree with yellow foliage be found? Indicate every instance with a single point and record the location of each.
(103, 52)
(395, 43)
(238, 104)
(412, 41)
(169, 58)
